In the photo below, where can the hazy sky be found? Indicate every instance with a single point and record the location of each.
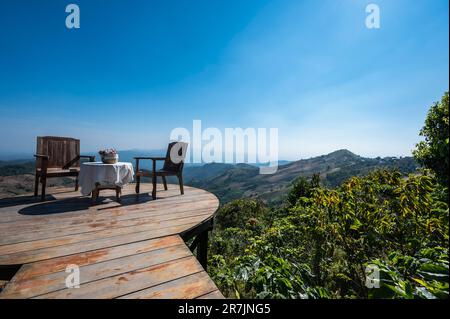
(137, 69)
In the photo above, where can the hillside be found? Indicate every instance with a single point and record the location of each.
(17, 177)
(232, 181)
(17, 167)
(245, 181)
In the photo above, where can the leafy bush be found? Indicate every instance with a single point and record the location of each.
(16, 168)
(433, 152)
(429, 273)
(240, 213)
(320, 242)
(320, 247)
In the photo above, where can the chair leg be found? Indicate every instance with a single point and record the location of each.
(118, 193)
(44, 184)
(164, 182)
(95, 194)
(36, 184)
(180, 181)
(154, 186)
(76, 183)
(138, 184)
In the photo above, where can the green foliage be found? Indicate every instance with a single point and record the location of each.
(240, 213)
(429, 273)
(231, 241)
(231, 182)
(368, 218)
(320, 246)
(405, 165)
(11, 169)
(433, 152)
(301, 188)
(320, 243)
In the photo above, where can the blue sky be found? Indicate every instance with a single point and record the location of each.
(137, 69)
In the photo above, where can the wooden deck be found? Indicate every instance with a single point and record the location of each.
(132, 249)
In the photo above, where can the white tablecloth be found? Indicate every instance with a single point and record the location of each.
(117, 174)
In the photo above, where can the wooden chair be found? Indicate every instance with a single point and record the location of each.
(173, 166)
(57, 157)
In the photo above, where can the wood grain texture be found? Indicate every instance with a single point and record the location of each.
(216, 294)
(51, 282)
(189, 287)
(131, 249)
(119, 285)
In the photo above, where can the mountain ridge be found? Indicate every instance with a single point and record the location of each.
(243, 180)
(233, 181)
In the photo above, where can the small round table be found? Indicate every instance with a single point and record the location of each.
(95, 176)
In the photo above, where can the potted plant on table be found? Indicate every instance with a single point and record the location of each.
(109, 156)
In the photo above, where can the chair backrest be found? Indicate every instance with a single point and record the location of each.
(176, 153)
(60, 151)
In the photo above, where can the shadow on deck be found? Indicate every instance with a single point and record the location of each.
(132, 249)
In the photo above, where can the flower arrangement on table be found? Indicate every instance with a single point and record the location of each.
(109, 156)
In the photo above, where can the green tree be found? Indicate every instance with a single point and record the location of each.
(433, 152)
(321, 246)
(320, 242)
(240, 213)
(301, 188)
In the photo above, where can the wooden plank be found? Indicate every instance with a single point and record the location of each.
(104, 233)
(164, 219)
(94, 272)
(188, 287)
(94, 256)
(2, 284)
(78, 206)
(105, 215)
(130, 249)
(216, 294)
(65, 216)
(10, 206)
(116, 286)
(50, 251)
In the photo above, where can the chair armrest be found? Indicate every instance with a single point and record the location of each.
(44, 162)
(90, 157)
(154, 159)
(77, 158)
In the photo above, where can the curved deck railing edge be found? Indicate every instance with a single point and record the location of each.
(200, 234)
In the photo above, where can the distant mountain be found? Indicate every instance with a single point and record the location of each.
(232, 181)
(196, 174)
(280, 162)
(128, 156)
(16, 167)
(242, 180)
